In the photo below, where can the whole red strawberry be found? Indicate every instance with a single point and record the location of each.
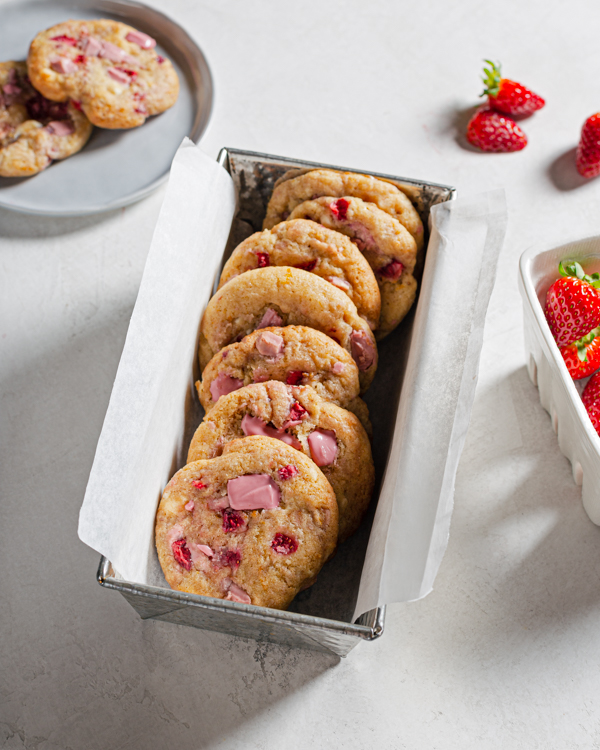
(572, 304)
(492, 131)
(588, 151)
(591, 400)
(582, 358)
(508, 96)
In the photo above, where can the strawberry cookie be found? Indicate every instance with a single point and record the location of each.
(33, 130)
(281, 296)
(107, 68)
(387, 246)
(254, 525)
(312, 247)
(290, 192)
(297, 416)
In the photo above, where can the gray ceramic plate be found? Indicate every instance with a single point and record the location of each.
(116, 167)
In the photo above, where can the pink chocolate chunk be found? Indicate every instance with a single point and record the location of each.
(63, 65)
(142, 40)
(363, 350)
(91, 46)
(270, 318)
(224, 384)
(253, 492)
(257, 426)
(115, 54)
(338, 368)
(339, 283)
(323, 447)
(237, 594)
(189, 506)
(201, 553)
(11, 89)
(118, 75)
(60, 127)
(269, 344)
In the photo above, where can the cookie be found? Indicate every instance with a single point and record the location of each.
(298, 416)
(387, 246)
(281, 296)
(289, 193)
(312, 247)
(33, 130)
(109, 69)
(254, 525)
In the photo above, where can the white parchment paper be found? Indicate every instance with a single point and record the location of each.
(143, 438)
(411, 526)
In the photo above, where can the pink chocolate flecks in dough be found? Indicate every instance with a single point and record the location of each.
(287, 472)
(60, 127)
(224, 384)
(339, 283)
(323, 447)
(363, 350)
(270, 318)
(189, 506)
(63, 65)
(142, 40)
(339, 208)
(338, 368)
(253, 492)
(257, 426)
(269, 344)
(118, 75)
(392, 271)
(237, 594)
(218, 503)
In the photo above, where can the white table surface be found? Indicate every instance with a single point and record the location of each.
(505, 652)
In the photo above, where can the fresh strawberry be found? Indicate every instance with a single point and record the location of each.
(508, 96)
(588, 151)
(591, 400)
(573, 304)
(492, 131)
(582, 358)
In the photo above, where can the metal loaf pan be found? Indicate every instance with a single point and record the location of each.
(559, 393)
(320, 617)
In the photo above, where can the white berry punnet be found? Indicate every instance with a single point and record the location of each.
(110, 70)
(281, 296)
(297, 416)
(254, 525)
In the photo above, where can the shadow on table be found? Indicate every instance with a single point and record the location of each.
(563, 172)
(29, 226)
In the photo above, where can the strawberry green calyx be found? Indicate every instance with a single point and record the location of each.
(584, 342)
(574, 270)
(491, 79)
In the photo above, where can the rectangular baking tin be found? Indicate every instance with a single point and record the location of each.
(559, 393)
(254, 176)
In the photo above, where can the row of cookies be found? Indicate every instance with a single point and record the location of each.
(78, 74)
(285, 344)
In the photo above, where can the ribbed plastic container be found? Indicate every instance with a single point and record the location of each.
(559, 393)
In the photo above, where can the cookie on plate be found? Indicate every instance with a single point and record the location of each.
(33, 130)
(297, 416)
(254, 525)
(312, 247)
(387, 246)
(289, 193)
(281, 296)
(109, 69)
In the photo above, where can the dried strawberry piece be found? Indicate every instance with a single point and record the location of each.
(297, 414)
(64, 39)
(263, 260)
(392, 271)
(81, 59)
(198, 484)
(339, 208)
(233, 521)
(287, 472)
(308, 266)
(227, 558)
(294, 377)
(182, 554)
(42, 109)
(284, 544)
(76, 104)
(160, 59)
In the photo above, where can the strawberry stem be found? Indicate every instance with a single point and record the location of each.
(491, 79)
(583, 343)
(574, 269)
